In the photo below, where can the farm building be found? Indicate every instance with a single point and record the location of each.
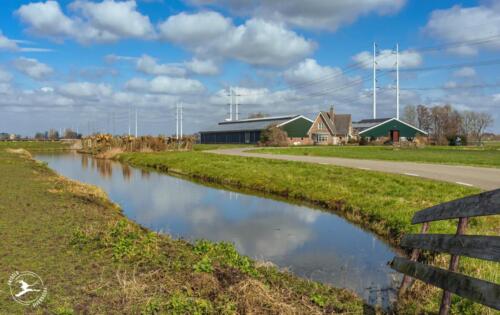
(249, 130)
(391, 128)
(331, 128)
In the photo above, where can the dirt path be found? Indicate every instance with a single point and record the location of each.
(484, 178)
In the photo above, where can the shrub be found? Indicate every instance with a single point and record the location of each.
(273, 137)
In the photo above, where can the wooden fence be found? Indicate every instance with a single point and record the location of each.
(476, 246)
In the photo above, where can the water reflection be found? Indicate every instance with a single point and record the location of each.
(311, 243)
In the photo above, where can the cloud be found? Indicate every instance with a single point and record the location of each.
(5, 76)
(458, 24)
(6, 43)
(33, 68)
(204, 67)
(312, 14)
(257, 42)
(465, 72)
(106, 21)
(148, 65)
(165, 85)
(386, 59)
(85, 90)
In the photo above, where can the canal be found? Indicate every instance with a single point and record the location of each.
(307, 241)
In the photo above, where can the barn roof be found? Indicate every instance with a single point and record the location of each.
(252, 123)
(368, 123)
(388, 120)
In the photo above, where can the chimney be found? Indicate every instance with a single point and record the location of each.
(332, 113)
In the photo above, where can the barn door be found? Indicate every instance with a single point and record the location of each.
(395, 135)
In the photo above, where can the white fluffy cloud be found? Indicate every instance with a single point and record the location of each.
(458, 24)
(33, 68)
(257, 41)
(204, 67)
(85, 90)
(386, 59)
(148, 65)
(313, 14)
(105, 21)
(465, 72)
(6, 43)
(166, 85)
(311, 78)
(5, 76)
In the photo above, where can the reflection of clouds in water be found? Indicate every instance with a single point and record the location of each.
(263, 235)
(311, 243)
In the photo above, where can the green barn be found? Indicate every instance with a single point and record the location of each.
(392, 128)
(249, 130)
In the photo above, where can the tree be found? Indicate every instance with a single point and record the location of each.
(423, 118)
(482, 121)
(40, 136)
(410, 115)
(53, 134)
(70, 134)
(273, 136)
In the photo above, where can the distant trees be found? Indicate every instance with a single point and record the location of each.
(410, 115)
(257, 115)
(444, 124)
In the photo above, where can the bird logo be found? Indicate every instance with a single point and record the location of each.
(27, 288)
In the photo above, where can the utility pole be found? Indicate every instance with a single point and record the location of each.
(230, 103)
(397, 81)
(235, 103)
(374, 80)
(177, 121)
(129, 120)
(136, 121)
(181, 120)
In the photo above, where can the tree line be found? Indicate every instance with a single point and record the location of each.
(446, 125)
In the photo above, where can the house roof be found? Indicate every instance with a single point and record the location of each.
(340, 124)
(329, 123)
(252, 123)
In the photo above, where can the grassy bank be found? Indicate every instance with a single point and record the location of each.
(35, 145)
(94, 261)
(486, 156)
(383, 203)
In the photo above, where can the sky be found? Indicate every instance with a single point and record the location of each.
(91, 65)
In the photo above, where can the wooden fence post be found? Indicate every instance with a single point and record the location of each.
(446, 300)
(407, 280)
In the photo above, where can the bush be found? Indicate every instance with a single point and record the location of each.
(273, 137)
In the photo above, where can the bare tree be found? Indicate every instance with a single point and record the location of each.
(410, 115)
(482, 121)
(423, 118)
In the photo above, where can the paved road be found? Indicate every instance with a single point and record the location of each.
(484, 178)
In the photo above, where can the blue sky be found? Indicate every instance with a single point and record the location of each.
(88, 64)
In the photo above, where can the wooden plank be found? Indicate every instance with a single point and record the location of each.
(476, 246)
(480, 291)
(444, 309)
(407, 280)
(487, 203)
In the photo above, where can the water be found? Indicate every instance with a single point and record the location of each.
(309, 242)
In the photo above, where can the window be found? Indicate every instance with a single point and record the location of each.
(321, 126)
(321, 138)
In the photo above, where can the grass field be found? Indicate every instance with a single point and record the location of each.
(487, 156)
(94, 261)
(383, 203)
